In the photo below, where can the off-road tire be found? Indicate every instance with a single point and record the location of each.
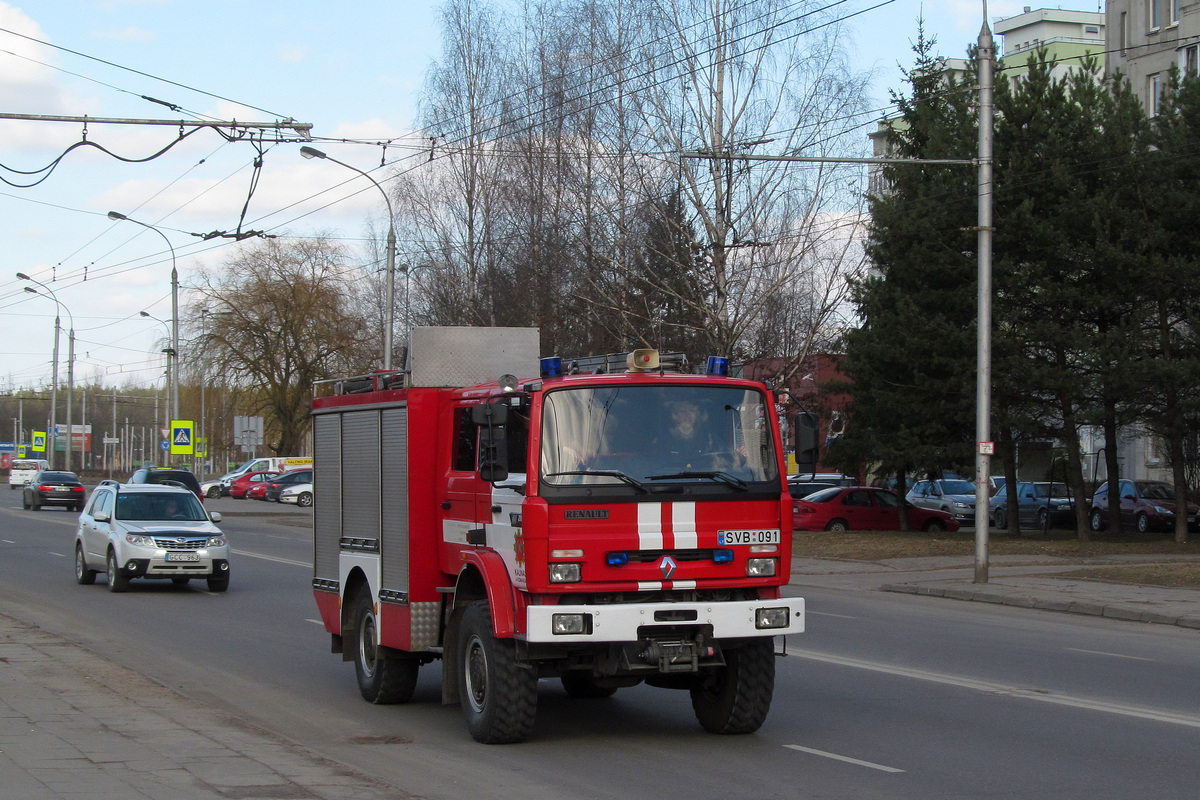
(382, 680)
(582, 685)
(83, 575)
(499, 697)
(116, 581)
(735, 698)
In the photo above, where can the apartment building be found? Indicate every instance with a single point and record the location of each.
(1145, 37)
(1067, 36)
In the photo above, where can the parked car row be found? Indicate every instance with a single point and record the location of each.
(862, 508)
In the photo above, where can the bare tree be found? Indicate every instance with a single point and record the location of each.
(289, 316)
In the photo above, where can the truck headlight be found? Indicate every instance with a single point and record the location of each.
(760, 567)
(765, 618)
(568, 624)
(566, 573)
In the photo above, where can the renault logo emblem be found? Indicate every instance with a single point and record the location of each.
(667, 566)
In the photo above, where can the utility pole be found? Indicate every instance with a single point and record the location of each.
(983, 356)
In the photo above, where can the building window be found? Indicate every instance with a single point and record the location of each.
(1154, 86)
(1174, 11)
(1154, 14)
(1091, 29)
(1124, 32)
(1191, 60)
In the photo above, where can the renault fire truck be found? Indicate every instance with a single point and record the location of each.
(598, 524)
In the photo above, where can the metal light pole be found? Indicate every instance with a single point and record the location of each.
(59, 307)
(983, 363)
(117, 217)
(170, 354)
(312, 152)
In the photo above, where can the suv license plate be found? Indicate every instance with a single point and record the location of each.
(183, 556)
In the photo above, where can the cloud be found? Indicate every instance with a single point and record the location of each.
(292, 53)
(28, 79)
(130, 34)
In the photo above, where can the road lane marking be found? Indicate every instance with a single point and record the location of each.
(60, 555)
(1110, 655)
(291, 561)
(1019, 692)
(9, 541)
(847, 759)
(315, 622)
(827, 614)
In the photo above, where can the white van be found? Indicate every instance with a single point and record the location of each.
(23, 470)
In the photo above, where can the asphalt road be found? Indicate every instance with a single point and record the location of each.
(886, 695)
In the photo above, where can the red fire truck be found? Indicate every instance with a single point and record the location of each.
(596, 524)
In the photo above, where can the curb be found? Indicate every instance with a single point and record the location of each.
(1023, 600)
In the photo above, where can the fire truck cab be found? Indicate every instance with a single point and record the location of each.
(602, 525)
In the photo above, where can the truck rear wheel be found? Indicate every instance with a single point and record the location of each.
(499, 697)
(382, 679)
(737, 697)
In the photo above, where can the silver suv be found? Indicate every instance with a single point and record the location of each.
(149, 530)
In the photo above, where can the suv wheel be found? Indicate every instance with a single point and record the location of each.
(83, 575)
(116, 581)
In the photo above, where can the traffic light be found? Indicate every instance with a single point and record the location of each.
(807, 427)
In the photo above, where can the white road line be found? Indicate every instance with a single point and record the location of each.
(9, 541)
(847, 759)
(315, 622)
(60, 555)
(827, 614)
(1024, 693)
(293, 562)
(1110, 655)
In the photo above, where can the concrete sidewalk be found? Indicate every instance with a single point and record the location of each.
(74, 725)
(1026, 581)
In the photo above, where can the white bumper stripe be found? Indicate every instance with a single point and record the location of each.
(620, 623)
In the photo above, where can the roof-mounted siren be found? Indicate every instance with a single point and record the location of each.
(552, 367)
(717, 365)
(642, 360)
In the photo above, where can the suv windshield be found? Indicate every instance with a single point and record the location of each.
(160, 507)
(636, 436)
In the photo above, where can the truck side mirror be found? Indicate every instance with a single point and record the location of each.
(493, 440)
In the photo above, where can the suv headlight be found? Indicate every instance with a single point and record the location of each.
(216, 541)
(140, 540)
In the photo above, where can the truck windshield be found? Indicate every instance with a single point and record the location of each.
(640, 436)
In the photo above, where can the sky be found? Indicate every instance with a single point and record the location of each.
(353, 70)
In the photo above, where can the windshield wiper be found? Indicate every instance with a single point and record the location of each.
(608, 473)
(723, 477)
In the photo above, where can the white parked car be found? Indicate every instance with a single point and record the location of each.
(301, 494)
(149, 530)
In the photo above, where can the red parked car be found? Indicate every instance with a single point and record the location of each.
(863, 508)
(258, 491)
(238, 488)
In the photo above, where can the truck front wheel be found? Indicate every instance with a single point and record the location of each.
(499, 697)
(736, 698)
(382, 679)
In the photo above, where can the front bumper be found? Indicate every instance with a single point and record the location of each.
(161, 564)
(628, 622)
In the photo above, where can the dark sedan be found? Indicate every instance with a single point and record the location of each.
(277, 484)
(1149, 505)
(51, 488)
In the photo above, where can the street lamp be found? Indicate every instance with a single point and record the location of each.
(312, 152)
(170, 353)
(171, 365)
(59, 307)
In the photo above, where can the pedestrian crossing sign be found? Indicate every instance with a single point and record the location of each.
(181, 437)
(38, 444)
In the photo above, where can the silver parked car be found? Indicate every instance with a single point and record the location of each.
(149, 530)
(955, 497)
